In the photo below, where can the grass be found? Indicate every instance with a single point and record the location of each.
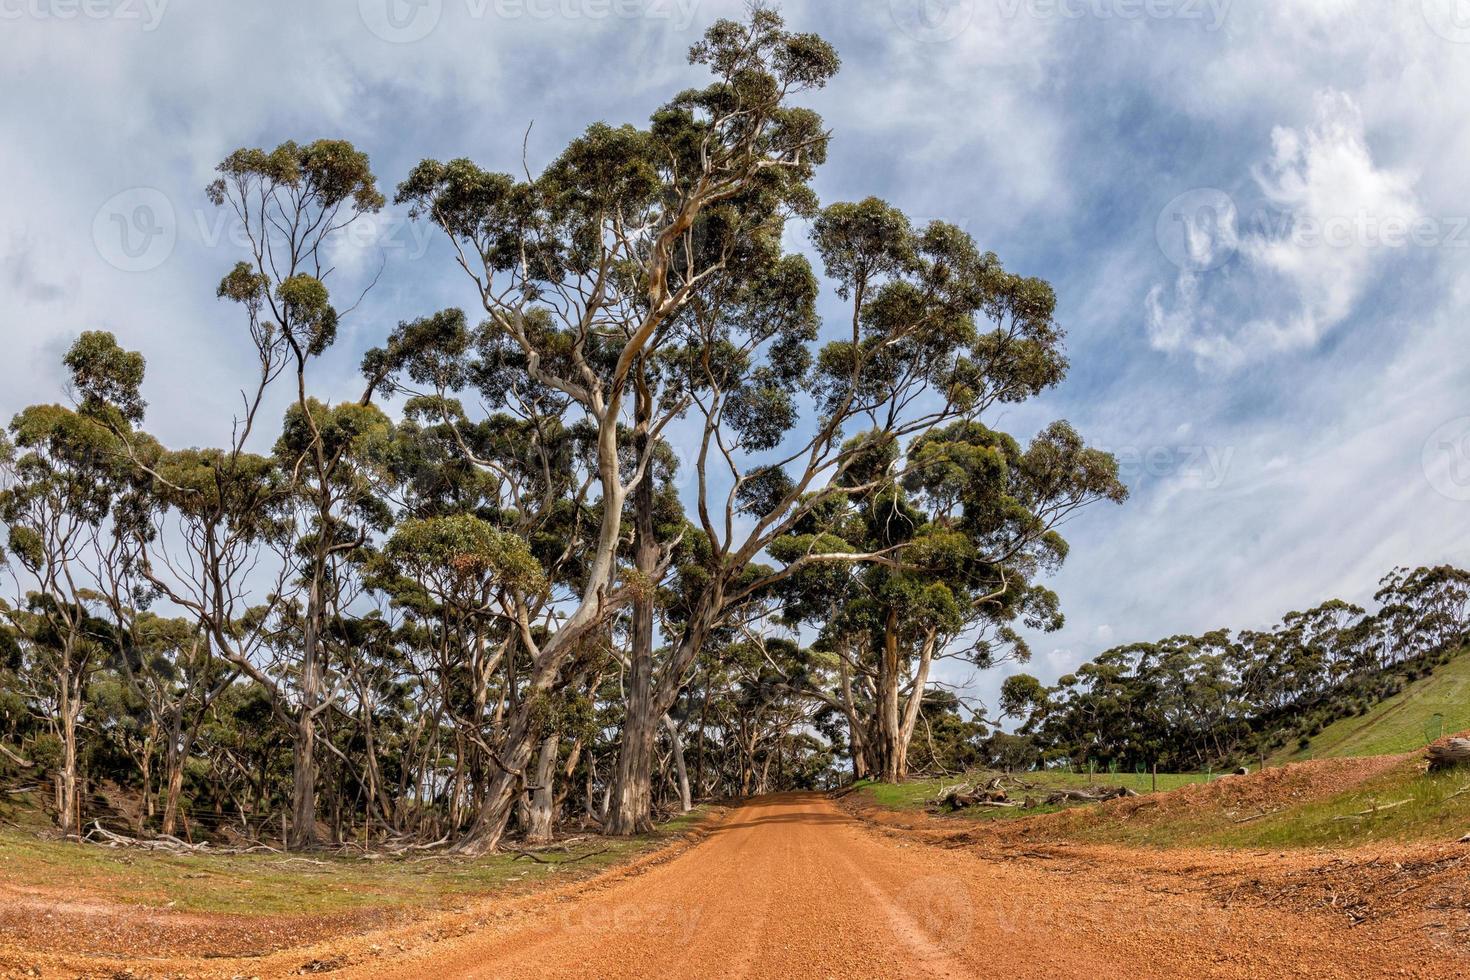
(1402, 805)
(274, 884)
(1401, 723)
(915, 794)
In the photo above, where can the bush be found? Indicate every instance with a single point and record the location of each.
(45, 752)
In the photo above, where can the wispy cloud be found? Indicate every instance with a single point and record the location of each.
(1297, 263)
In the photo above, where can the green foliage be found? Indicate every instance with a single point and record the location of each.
(330, 170)
(466, 548)
(107, 377)
(1189, 701)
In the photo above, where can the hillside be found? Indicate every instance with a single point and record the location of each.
(1422, 711)
(1322, 803)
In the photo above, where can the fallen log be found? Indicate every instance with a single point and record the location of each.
(21, 761)
(164, 842)
(965, 795)
(1448, 753)
(1099, 795)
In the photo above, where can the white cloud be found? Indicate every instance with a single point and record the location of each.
(1328, 218)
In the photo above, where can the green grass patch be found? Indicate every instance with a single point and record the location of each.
(1402, 805)
(275, 884)
(916, 794)
(1398, 806)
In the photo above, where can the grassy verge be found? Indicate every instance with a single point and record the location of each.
(275, 884)
(1329, 803)
(915, 794)
(1402, 805)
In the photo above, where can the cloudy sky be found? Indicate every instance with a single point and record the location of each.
(1253, 212)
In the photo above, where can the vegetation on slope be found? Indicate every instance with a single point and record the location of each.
(1332, 803)
(1195, 702)
(1320, 803)
(918, 794)
(1435, 704)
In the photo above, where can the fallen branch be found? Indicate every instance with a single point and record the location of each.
(1372, 811)
(163, 842)
(1099, 795)
(18, 760)
(541, 860)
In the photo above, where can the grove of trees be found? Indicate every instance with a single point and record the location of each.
(474, 595)
(1192, 702)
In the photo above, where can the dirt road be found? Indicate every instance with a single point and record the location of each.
(792, 886)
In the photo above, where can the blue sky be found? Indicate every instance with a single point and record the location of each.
(1253, 213)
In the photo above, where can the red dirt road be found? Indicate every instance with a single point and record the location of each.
(794, 886)
(791, 886)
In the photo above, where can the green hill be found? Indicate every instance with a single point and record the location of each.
(1423, 710)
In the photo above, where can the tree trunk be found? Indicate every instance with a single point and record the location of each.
(686, 803)
(915, 703)
(303, 755)
(543, 793)
(178, 751)
(856, 741)
(632, 807)
(145, 772)
(501, 789)
(888, 717)
(703, 725)
(303, 786)
(377, 792)
(68, 802)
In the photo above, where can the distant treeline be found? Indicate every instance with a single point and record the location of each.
(1187, 702)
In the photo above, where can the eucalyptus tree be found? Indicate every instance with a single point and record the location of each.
(584, 273)
(917, 359)
(453, 573)
(1423, 609)
(65, 495)
(970, 521)
(167, 668)
(310, 501)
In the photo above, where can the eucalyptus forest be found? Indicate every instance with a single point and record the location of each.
(471, 599)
